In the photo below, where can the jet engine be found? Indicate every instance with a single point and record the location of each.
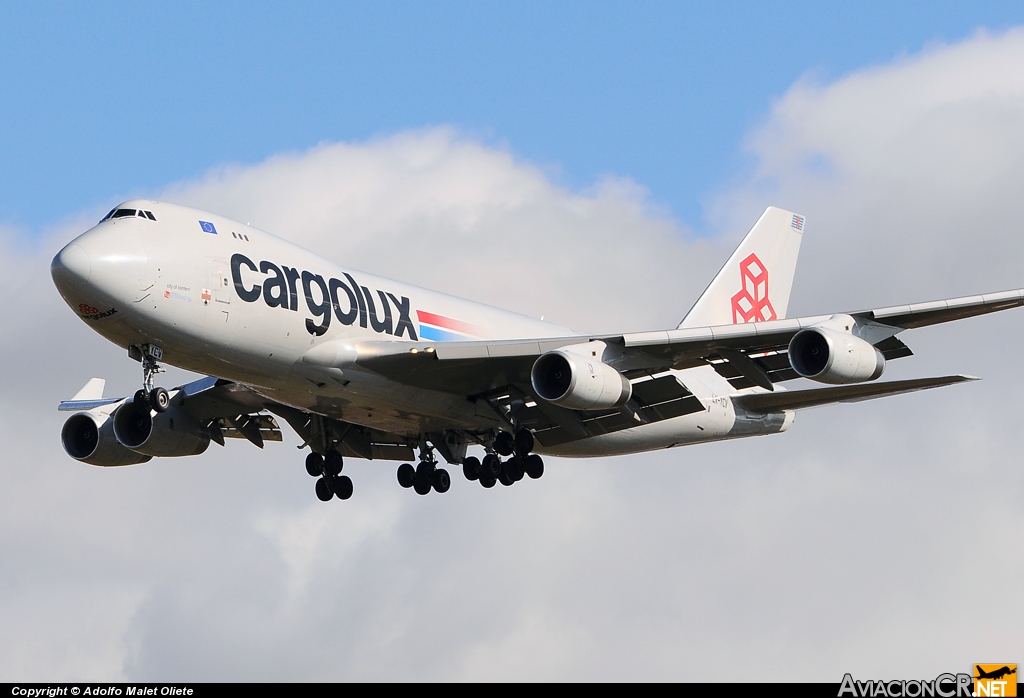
(170, 433)
(831, 356)
(89, 438)
(579, 382)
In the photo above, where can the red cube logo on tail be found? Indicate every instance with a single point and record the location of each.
(751, 304)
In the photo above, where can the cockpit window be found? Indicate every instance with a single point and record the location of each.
(128, 212)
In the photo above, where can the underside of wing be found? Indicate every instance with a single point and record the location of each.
(800, 399)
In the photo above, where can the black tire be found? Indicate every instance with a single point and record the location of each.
(524, 442)
(504, 443)
(487, 481)
(333, 463)
(315, 464)
(406, 475)
(421, 488)
(342, 485)
(534, 466)
(159, 399)
(505, 479)
(491, 465)
(425, 473)
(471, 468)
(442, 480)
(141, 400)
(323, 490)
(514, 469)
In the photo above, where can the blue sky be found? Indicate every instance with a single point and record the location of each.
(101, 101)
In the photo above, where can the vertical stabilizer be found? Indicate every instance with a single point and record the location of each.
(92, 390)
(755, 283)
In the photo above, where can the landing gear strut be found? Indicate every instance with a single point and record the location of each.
(510, 471)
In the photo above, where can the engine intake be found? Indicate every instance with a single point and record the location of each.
(578, 382)
(831, 356)
(170, 433)
(90, 439)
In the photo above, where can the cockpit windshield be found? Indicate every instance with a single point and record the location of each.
(128, 212)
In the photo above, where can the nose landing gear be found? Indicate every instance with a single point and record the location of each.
(148, 397)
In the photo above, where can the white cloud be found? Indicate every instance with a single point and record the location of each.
(863, 540)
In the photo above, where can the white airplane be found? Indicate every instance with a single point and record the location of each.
(366, 367)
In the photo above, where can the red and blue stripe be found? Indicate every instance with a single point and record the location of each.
(438, 328)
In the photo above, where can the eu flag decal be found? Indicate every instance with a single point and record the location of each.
(207, 227)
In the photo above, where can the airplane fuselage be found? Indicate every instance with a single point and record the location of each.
(219, 297)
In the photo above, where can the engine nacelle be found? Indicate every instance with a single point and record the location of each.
(89, 438)
(832, 356)
(170, 433)
(579, 382)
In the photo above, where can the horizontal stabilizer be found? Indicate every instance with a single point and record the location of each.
(799, 399)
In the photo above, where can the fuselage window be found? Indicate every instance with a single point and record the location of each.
(123, 212)
(150, 216)
(109, 214)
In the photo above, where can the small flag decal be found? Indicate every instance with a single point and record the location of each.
(798, 222)
(208, 227)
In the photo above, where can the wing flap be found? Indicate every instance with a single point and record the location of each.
(653, 400)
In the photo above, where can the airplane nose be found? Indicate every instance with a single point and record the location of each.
(71, 267)
(101, 266)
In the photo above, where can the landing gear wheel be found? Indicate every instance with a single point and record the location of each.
(491, 466)
(425, 473)
(406, 475)
(333, 463)
(534, 466)
(159, 399)
(514, 469)
(141, 400)
(442, 480)
(315, 464)
(342, 485)
(505, 478)
(487, 481)
(504, 443)
(471, 468)
(524, 442)
(422, 487)
(323, 490)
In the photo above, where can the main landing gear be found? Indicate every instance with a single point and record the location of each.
(331, 482)
(493, 469)
(425, 476)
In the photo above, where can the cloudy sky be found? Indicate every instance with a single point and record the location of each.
(594, 163)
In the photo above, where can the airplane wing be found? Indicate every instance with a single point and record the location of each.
(746, 354)
(229, 410)
(800, 399)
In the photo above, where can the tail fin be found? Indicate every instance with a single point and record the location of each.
(92, 390)
(741, 291)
